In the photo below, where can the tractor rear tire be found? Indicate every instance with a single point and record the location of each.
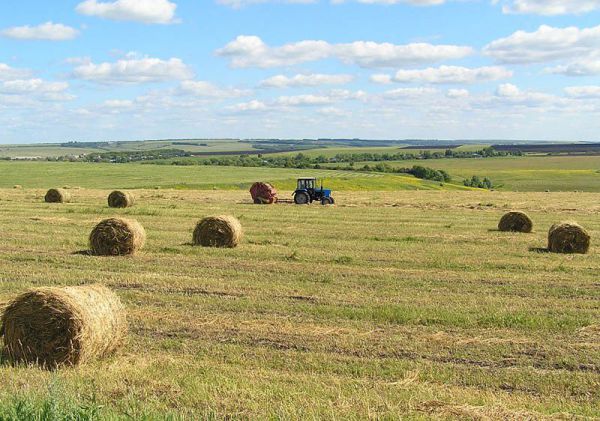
(301, 199)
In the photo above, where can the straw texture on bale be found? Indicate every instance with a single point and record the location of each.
(117, 237)
(120, 199)
(57, 196)
(515, 221)
(68, 326)
(218, 231)
(568, 237)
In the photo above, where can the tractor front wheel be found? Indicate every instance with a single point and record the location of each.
(301, 199)
(327, 201)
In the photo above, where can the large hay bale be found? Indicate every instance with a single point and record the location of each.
(57, 196)
(117, 237)
(568, 237)
(218, 231)
(515, 221)
(120, 199)
(263, 193)
(63, 326)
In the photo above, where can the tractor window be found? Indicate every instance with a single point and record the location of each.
(306, 184)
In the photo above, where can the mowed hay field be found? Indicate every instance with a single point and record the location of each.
(388, 305)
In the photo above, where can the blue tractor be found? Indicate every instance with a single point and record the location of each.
(308, 192)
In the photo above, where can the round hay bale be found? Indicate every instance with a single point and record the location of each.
(117, 237)
(263, 193)
(218, 231)
(53, 327)
(120, 199)
(515, 221)
(57, 196)
(568, 237)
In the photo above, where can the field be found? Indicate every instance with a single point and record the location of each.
(527, 173)
(139, 176)
(54, 150)
(391, 304)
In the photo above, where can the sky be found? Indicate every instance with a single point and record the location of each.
(98, 70)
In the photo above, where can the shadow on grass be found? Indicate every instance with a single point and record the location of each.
(508, 232)
(83, 253)
(539, 250)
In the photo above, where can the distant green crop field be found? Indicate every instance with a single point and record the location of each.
(527, 173)
(135, 176)
(331, 152)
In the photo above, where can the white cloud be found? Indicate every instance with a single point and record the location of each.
(457, 93)
(251, 51)
(551, 7)
(381, 78)
(10, 73)
(332, 112)
(236, 4)
(134, 70)
(446, 74)
(402, 93)
(26, 86)
(250, 106)
(28, 90)
(345, 94)
(583, 91)
(209, 90)
(372, 54)
(508, 90)
(545, 44)
(145, 11)
(302, 100)
(282, 103)
(508, 93)
(585, 67)
(300, 80)
(46, 31)
(118, 103)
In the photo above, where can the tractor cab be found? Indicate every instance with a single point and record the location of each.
(307, 192)
(306, 184)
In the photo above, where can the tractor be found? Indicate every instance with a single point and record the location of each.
(308, 192)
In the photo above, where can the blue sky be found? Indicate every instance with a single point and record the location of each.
(149, 69)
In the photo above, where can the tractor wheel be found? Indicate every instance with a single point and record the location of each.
(301, 199)
(327, 201)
